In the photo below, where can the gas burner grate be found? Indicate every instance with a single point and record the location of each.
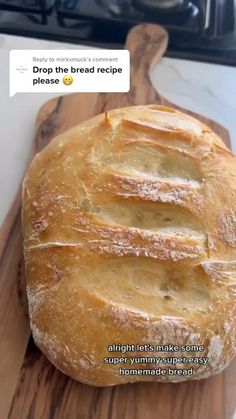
(199, 29)
(186, 18)
(27, 6)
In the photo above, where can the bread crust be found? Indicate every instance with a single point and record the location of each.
(129, 227)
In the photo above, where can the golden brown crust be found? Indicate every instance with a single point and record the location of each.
(130, 237)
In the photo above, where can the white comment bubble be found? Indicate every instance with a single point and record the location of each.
(46, 71)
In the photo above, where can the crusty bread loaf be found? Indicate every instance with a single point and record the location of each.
(129, 228)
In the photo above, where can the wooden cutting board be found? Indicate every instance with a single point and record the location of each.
(31, 388)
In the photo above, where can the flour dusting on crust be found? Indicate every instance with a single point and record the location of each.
(130, 236)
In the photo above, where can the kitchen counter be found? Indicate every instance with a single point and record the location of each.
(204, 88)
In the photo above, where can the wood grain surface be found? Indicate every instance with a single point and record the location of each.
(31, 388)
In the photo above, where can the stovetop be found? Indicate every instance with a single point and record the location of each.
(199, 29)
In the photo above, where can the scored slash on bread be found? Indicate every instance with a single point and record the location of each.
(129, 237)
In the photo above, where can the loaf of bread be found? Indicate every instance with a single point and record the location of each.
(129, 224)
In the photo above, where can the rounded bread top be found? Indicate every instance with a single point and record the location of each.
(132, 213)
